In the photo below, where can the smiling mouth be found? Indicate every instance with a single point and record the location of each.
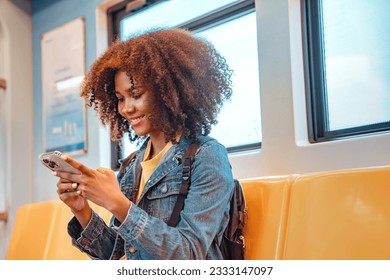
(135, 121)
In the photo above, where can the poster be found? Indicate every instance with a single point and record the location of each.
(63, 69)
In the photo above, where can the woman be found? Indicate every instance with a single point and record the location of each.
(165, 88)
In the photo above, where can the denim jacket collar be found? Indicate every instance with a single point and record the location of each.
(168, 162)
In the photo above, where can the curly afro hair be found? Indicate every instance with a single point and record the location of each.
(189, 81)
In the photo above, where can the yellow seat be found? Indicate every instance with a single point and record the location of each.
(59, 246)
(328, 215)
(32, 227)
(40, 232)
(266, 199)
(340, 215)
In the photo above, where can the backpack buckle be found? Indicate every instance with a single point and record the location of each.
(186, 171)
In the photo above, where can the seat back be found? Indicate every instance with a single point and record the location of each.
(32, 228)
(266, 199)
(59, 245)
(40, 232)
(340, 215)
(329, 215)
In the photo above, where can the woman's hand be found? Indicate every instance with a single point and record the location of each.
(99, 186)
(68, 193)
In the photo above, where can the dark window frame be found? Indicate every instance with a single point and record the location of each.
(315, 81)
(116, 13)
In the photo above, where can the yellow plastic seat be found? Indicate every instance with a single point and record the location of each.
(40, 232)
(328, 215)
(340, 215)
(266, 199)
(59, 246)
(32, 227)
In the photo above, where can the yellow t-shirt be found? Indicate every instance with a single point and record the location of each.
(149, 165)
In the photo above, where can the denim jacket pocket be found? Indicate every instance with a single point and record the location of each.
(127, 187)
(162, 198)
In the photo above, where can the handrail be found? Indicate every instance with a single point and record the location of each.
(4, 216)
(3, 83)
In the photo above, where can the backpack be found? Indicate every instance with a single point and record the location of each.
(233, 242)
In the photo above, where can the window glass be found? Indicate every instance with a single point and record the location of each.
(239, 121)
(168, 14)
(235, 37)
(356, 42)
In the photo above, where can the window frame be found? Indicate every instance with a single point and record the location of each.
(234, 10)
(315, 81)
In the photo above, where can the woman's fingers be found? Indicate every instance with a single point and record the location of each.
(65, 187)
(62, 180)
(67, 177)
(82, 168)
(95, 185)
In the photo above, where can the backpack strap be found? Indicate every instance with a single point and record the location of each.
(127, 161)
(137, 179)
(188, 158)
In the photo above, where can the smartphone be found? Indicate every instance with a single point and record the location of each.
(54, 162)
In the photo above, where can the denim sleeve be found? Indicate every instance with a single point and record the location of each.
(204, 215)
(97, 239)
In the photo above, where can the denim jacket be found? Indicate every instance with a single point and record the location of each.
(144, 234)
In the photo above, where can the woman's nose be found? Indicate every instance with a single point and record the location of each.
(128, 107)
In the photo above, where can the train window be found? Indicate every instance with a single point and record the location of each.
(347, 67)
(231, 26)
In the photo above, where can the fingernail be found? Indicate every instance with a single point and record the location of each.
(74, 185)
(78, 192)
(54, 173)
(64, 157)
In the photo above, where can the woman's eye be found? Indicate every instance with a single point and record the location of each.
(137, 94)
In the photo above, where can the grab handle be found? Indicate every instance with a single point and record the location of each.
(3, 83)
(4, 216)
